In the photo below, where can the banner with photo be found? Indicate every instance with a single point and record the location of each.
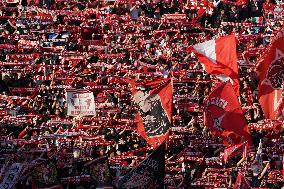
(80, 102)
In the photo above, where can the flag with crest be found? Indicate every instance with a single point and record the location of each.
(224, 115)
(271, 76)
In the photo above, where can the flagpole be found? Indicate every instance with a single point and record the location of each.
(165, 150)
(167, 139)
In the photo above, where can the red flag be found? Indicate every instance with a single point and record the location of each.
(219, 57)
(241, 182)
(224, 115)
(154, 102)
(233, 150)
(271, 75)
(23, 133)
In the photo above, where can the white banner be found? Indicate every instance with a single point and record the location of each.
(80, 102)
(11, 176)
(12, 1)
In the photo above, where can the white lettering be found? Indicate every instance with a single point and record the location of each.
(218, 102)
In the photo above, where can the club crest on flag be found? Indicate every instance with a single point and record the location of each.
(217, 123)
(216, 112)
(270, 70)
(275, 73)
(224, 115)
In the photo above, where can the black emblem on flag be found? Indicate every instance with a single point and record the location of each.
(154, 116)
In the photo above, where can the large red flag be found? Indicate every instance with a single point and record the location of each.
(224, 115)
(271, 75)
(219, 57)
(154, 102)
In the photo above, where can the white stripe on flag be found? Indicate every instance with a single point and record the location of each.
(208, 49)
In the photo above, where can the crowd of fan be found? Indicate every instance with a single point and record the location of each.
(47, 46)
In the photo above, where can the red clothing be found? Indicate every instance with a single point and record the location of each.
(268, 6)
